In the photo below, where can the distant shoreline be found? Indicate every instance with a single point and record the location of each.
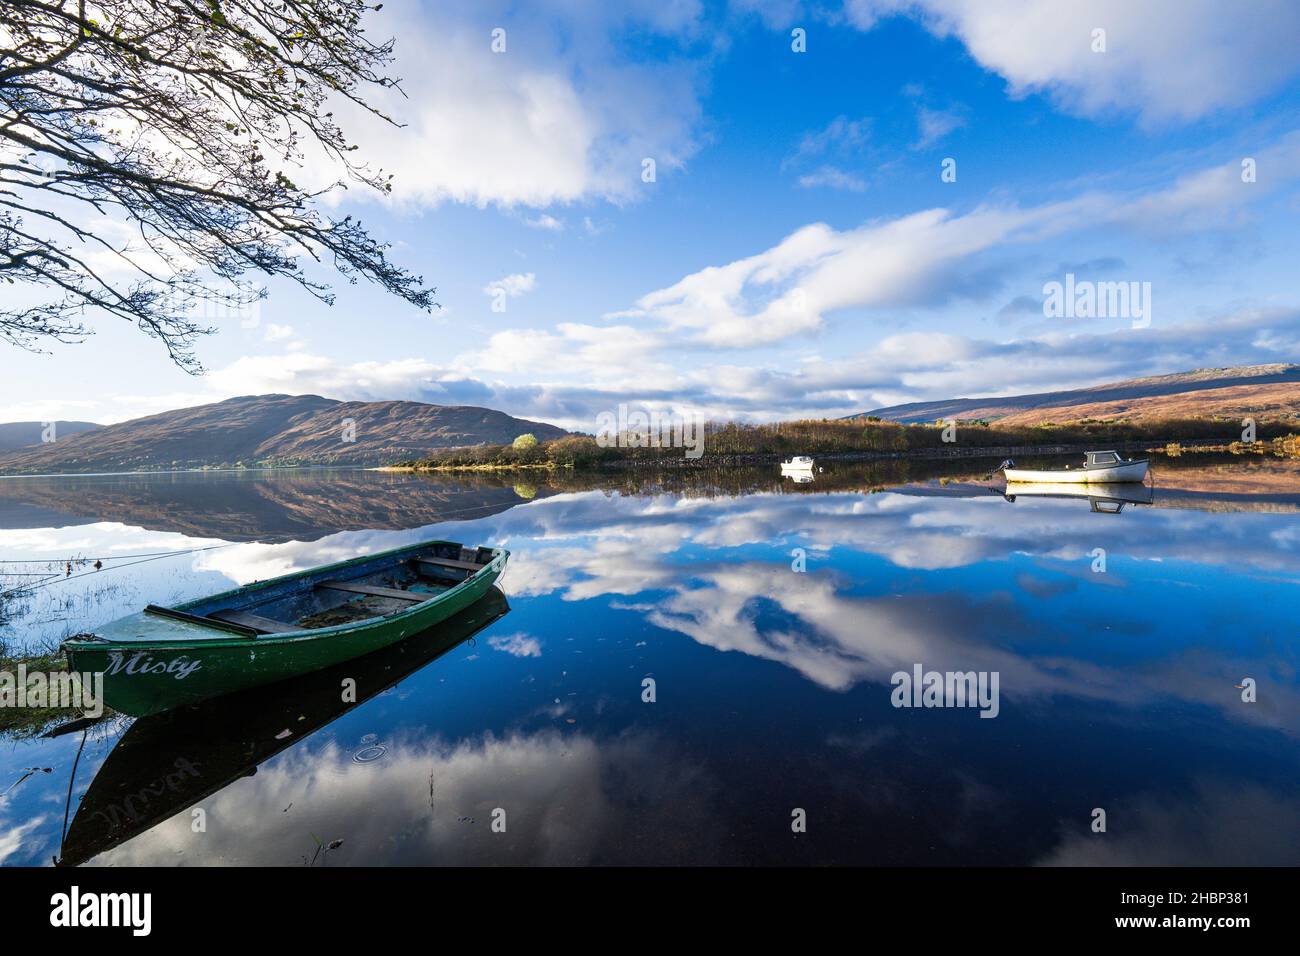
(921, 454)
(221, 470)
(707, 460)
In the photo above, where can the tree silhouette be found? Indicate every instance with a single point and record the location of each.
(146, 148)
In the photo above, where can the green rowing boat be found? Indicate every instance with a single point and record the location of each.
(168, 762)
(166, 657)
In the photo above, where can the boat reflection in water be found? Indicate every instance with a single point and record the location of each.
(1104, 498)
(166, 763)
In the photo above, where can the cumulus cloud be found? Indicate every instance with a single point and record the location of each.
(561, 115)
(516, 645)
(590, 370)
(549, 223)
(658, 353)
(788, 289)
(927, 257)
(512, 285)
(540, 777)
(1165, 60)
(833, 178)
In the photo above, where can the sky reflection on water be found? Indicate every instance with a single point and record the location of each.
(773, 687)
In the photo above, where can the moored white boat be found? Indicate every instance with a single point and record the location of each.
(1100, 467)
(1127, 492)
(798, 463)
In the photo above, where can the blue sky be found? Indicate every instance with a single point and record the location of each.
(798, 253)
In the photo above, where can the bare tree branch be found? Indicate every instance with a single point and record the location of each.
(183, 119)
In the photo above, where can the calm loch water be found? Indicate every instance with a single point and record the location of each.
(769, 619)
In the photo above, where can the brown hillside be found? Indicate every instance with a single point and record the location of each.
(1262, 402)
(260, 430)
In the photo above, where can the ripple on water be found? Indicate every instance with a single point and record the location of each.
(370, 753)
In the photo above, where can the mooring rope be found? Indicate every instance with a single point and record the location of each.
(146, 557)
(63, 835)
(49, 579)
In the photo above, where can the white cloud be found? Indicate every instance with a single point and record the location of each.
(626, 786)
(832, 177)
(841, 135)
(512, 285)
(775, 14)
(301, 373)
(516, 645)
(1166, 60)
(12, 838)
(824, 152)
(934, 125)
(920, 258)
(561, 116)
(549, 223)
(787, 289)
(575, 370)
(579, 371)
(277, 333)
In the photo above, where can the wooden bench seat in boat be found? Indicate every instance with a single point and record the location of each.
(264, 625)
(436, 563)
(374, 591)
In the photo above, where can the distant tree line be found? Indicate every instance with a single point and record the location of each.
(854, 435)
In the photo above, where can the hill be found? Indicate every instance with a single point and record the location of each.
(15, 435)
(264, 430)
(1260, 391)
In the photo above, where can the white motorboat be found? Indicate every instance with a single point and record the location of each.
(798, 463)
(1104, 498)
(1099, 467)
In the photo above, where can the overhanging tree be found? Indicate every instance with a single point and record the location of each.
(146, 156)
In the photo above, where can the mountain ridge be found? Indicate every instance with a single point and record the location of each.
(265, 430)
(15, 435)
(1220, 392)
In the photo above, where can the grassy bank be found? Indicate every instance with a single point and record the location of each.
(1285, 447)
(21, 723)
(860, 437)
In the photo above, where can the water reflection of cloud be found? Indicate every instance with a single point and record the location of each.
(633, 546)
(917, 530)
(569, 799)
(14, 836)
(684, 560)
(1220, 823)
(518, 644)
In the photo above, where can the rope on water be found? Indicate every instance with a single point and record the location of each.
(111, 557)
(63, 835)
(1008, 463)
(146, 557)
(57, 578)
